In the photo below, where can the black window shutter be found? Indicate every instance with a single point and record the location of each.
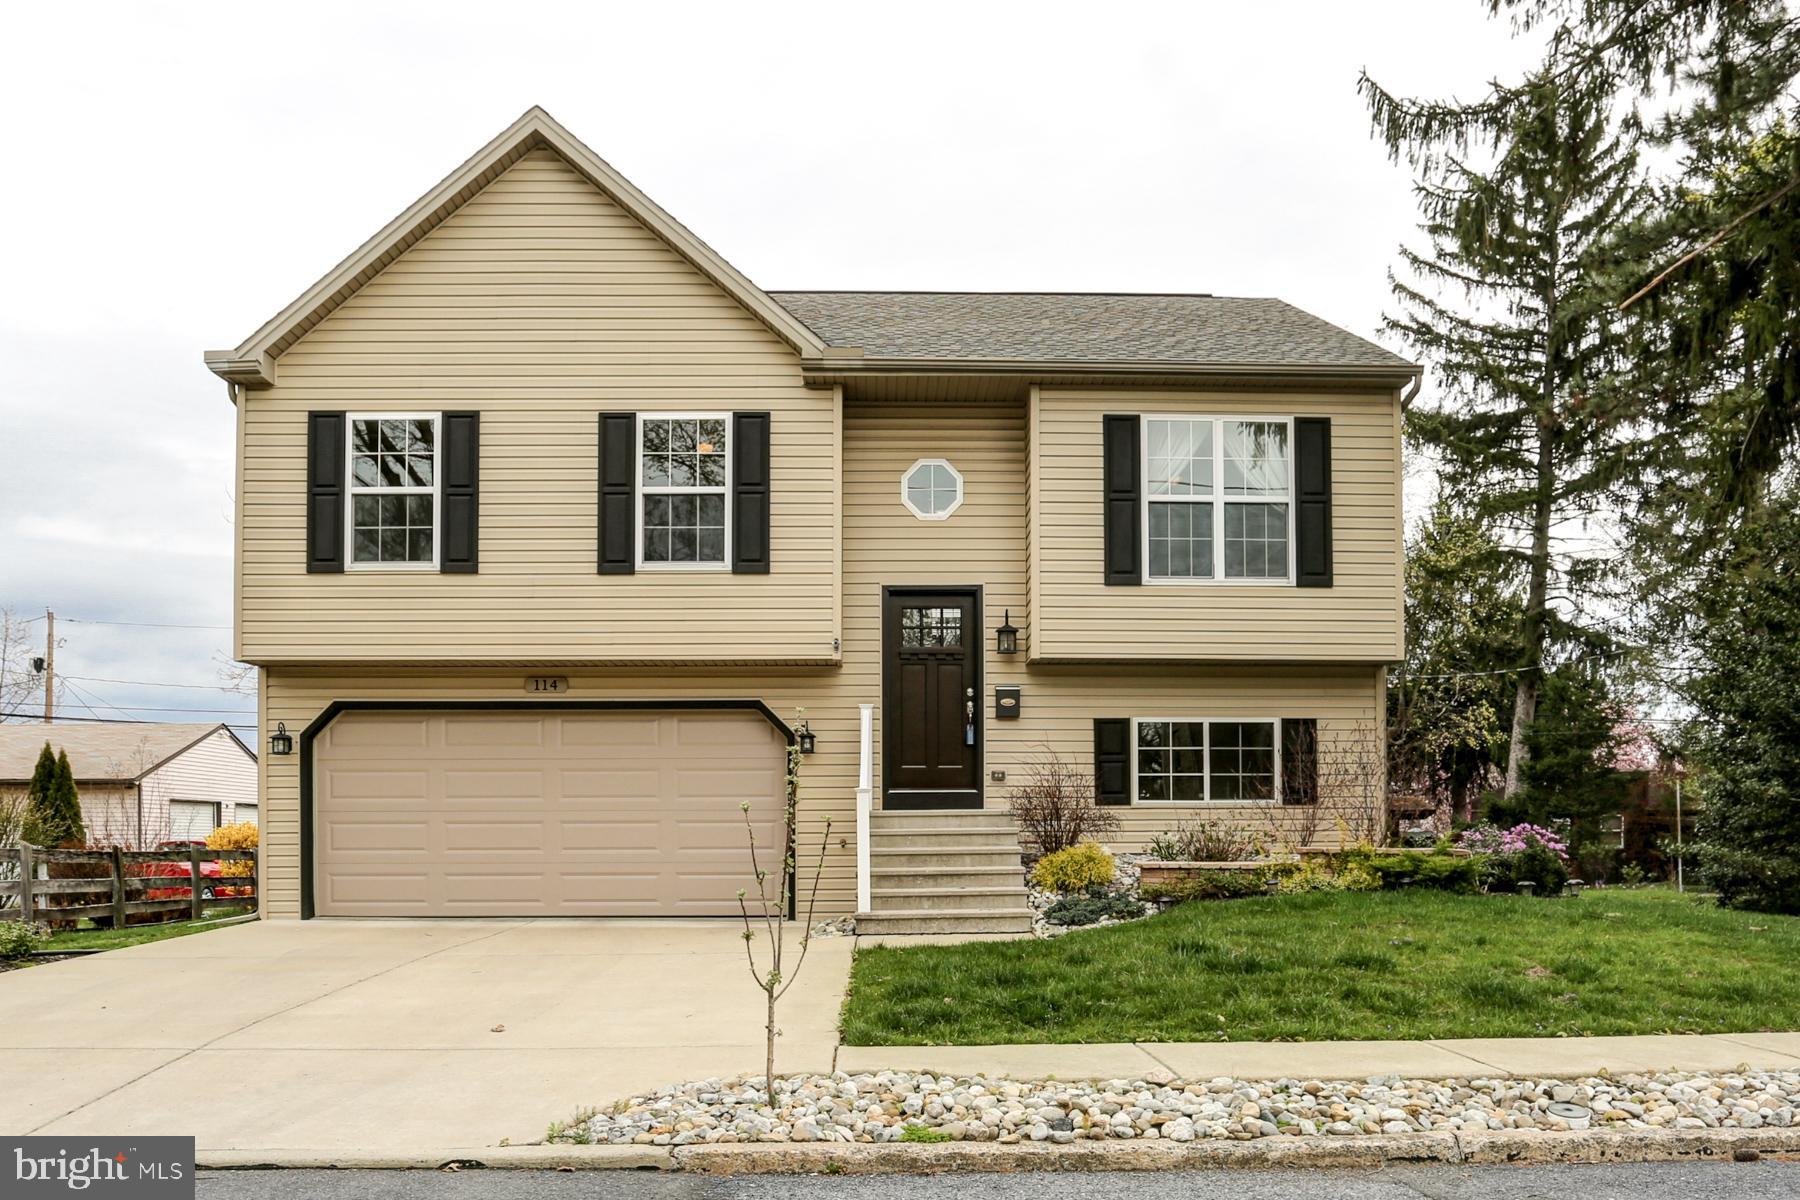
(1312, 497)
(750, 493)
(459, 481)
(1112, 760)
(1120, 477)
(324, 492)
(618, 493)
(1299, 760)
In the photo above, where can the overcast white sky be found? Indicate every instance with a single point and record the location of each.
(176, 173)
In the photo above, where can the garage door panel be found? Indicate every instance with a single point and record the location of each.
(608, 786)
(376, 890)
(611, 729)
(620, 836)
(482, 836)
(466, 786)
(543, 813)
(499, 730)
(372, 788)
(378, 837)
(385, 734)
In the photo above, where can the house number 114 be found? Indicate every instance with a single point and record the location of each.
(546, 683)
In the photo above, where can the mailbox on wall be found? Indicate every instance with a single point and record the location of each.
(1006, 703)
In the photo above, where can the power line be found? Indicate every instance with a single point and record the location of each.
(37, 719)
(205, 687)
(137, 624)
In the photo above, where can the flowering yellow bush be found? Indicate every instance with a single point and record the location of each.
(1075, 869)
(242, 836)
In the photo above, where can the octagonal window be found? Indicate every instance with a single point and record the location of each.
(932, 489)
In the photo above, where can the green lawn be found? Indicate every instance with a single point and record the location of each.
(1411, 964)
(132, 935)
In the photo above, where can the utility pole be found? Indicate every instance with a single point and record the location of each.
(49, 667)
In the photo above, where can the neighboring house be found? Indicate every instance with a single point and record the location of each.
(141, 784)
(551, 523)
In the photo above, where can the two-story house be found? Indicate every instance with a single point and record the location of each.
(554, 531)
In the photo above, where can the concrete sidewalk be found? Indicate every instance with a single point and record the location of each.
(1449, 1058)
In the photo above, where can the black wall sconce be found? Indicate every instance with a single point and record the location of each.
(281, 742)
(808, 741)
(1007, 639)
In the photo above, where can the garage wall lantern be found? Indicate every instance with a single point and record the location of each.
(281, 742)
(1007, 639)
(808, 742)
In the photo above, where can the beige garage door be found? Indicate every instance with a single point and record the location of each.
(493, 813)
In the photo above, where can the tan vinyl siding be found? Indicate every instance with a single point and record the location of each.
(982, 543)
(1077, 617)
(1060, 707)
(540, 303)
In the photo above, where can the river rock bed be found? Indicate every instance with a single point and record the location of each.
(883, 1106)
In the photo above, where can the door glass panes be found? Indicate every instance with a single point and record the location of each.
(931, 627)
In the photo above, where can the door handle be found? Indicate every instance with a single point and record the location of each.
(969, 717)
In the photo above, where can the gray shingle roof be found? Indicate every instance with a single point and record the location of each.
(96, 751)
(1082, 328)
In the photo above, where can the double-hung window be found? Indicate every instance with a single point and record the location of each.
(1218, 499)
(684, 481)
(1180, 761)
(393, 509)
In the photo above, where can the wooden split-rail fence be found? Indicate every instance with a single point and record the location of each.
(111, 886)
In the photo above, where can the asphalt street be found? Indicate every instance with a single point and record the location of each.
(1766, 1180)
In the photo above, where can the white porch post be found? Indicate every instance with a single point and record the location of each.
(865, 798)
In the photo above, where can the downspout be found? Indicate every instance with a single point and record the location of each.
(1412, 392)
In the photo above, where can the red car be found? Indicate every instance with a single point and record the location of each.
(210, 873)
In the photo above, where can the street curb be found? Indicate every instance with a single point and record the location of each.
(1520, 1147)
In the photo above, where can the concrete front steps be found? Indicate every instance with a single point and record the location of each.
(944, 871)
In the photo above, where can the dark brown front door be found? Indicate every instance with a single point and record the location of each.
(931, 698)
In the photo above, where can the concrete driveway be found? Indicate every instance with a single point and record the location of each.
(389, 1035)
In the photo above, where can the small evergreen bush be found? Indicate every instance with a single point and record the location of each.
(53, 809)
(1075, 869)
(1088, 910)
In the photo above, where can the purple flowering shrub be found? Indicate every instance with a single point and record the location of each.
(1524, 853)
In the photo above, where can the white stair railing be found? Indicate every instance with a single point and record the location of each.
(865, 799)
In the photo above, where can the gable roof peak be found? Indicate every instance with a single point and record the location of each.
(254, 362)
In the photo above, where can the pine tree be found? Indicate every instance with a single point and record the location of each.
(1747, 727)
(53, 810)
(1514, 303)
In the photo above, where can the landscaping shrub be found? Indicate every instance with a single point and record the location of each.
(1208, 885)
(1075, 869)
(1291, 879)
(1089, 910)
(242, 836)
(1055, 806)
(1203, 841)
(1522, 854)
(19, 938)
(1415, 868)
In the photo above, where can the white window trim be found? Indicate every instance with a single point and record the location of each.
(1217, 499)
(907, 500)
(640, 489)
(1206, 757)
(352, 490)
